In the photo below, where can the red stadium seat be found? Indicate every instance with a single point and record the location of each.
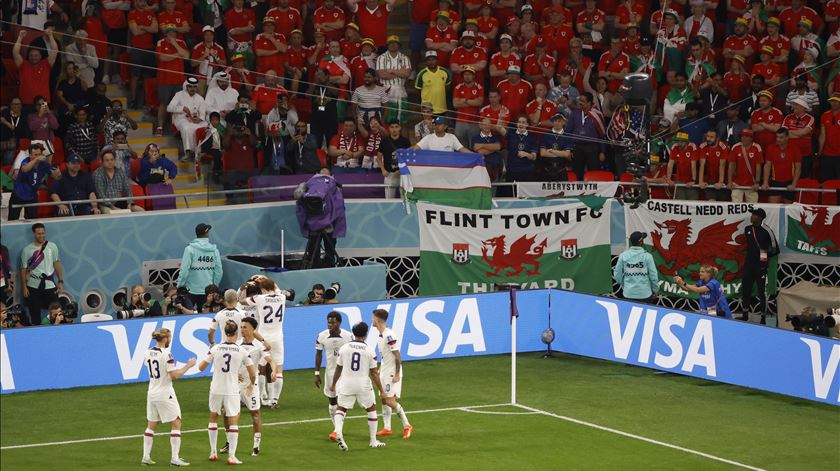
(598, 176)
(571, 176)
(627, 178)
(137, 190)
(58, 157)
(45, 211)
(94, 164)
(135, 168)
(830, 198)
(808, 197)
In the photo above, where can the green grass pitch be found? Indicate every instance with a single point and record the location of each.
(694, 421)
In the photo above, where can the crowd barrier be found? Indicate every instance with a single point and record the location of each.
(712, 348)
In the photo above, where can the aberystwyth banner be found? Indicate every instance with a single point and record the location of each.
(565, 189)
(813, 230)
(468, 251)
(683, 235)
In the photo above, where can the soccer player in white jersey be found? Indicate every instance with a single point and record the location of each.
(161, 403)
(229, 313)
(271, 309)
(328, 343)
(228, 358)
(356, 367)
(390, 375)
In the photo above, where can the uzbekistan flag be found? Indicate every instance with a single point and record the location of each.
(446, 178)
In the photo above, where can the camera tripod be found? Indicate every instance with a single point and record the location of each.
(313, 251)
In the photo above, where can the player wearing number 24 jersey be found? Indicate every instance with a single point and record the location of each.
(162, 404)
(228, 358)
(270, 305)
(390, 374)
(328, 343)
(356, 367)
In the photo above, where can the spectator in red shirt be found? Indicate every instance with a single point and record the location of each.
(829, 148)
(286, 18)
(239, 144)
(419, 10)
(330, 19)
(736, 80)
(169, 15)
(468, 55)
(240, 23)
(516, 93)
(557, 32)
(683, 156)
(766, 120)
(780, 43)
(712, 172)
(270, 49)
(590, 24)
(541, 109)
(782, 169)
(373, 19)
(745, 161)
(578, 65)
(445, 5)
(442, 38)
(740, 44)
(800, 125)
(766, 67)
(351, 43)
(35, 70)
(614, 65)
(265, 94)
(792, 15)
(207, 58)
(171, 53)
(467, 99)
(488, 25)
(501, 61)
(539, 66)
(142, 26)
(114, 17)
(241, 77)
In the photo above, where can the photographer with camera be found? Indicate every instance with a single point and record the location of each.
(56, 315)
(214, 302)
(141, 300)
(319, 295)
(11, 317)
(177, 302)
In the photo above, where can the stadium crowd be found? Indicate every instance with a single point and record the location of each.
(744, 100)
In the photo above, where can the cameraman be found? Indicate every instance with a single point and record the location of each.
(139, 300)
(55, 315)
(10, 318)
(177, 303)
(213, 299)
(316, 296)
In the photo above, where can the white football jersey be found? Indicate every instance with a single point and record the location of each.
(248, 311)
(271, 308)
(256, 351)
(356, 359)
(330, 346)
(159, 363)
(228, 314)
(388, 344)
(227, 359)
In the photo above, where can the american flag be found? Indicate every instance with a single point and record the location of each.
(618, 129)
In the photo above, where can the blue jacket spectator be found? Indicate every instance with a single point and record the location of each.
(522, 152)
(33, 170)
(635, 270)
(712, 299)
(155, 168)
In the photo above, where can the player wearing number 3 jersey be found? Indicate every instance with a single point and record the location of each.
(162, 404)
(355, 369)
(270, 311)
(228, 358)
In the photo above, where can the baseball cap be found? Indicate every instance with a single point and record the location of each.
(368, 42)
(468, 68)
(296, 31)
(768, 49)
(511, 19)
(73, 158)
(505, 36)
(558, 115)
(514, 69)
(393, 39)
(444, 14)
(439, 120)
(766, 93)
(740, 58)
(774, 21)
(526, 7)
(468, 34)
(759, 212)
(681, 137)
(742, 21)
(806, 22)
(202, 229)
(268, 19)
(636, 26)
(207, 28)
(637, 237)
(801, 102)
(431, 54)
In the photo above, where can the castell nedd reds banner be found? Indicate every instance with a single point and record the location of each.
(560, 246)
(683, 235)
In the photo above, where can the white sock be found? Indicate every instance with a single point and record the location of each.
(233, 439)
(257, 439)
(276, 388)
(148, 440)
(175, 443)
(261, 385)
(386, 416)
(372, 423)
(213, 433)
(332, 414)
(339, 423)
(404, 418)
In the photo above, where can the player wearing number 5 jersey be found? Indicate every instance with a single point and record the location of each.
(328, 343)
(355, 368)
(228, 358)
(390, 374)
(162, 404)
(271, 308)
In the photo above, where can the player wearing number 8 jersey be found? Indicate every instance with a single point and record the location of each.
(355, 368)
(328, 343)
(390, 375)
(270, 309)
(228, 358)
(161, 403)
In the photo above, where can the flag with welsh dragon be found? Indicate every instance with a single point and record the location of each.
(813, 230)
(683, 235)
(558, 246)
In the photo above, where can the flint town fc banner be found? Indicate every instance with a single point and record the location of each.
(813, 230)
(468, 251)
(683, 235)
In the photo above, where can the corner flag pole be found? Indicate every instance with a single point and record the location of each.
(514, 315)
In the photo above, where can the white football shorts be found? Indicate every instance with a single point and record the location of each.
(163, 411)
(252, 402)
(390, 388)
(227, 403)
(365, 399)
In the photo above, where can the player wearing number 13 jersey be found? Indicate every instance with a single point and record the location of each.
(270, 311)
(390, 374)
(228, 358)
(328, 343)
(162, 404)
(355, 368)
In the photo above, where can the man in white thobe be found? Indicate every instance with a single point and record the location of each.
(188, 111)
(221, 97)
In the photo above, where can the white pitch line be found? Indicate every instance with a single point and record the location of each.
(639, 437)
(269, 424)
(490, 412)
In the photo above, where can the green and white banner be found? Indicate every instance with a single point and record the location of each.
(683, 235)
(561, 246)
(813, 230)
(565, 189)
